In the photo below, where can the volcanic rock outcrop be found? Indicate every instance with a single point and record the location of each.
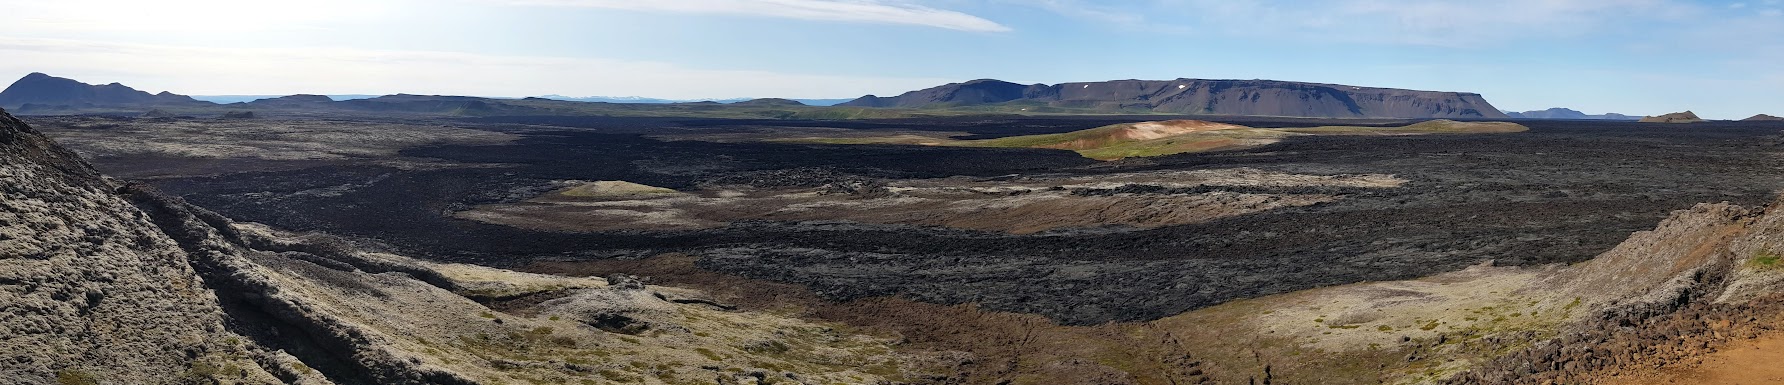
(1201, 97)
(46, 90)
(1676, 117)
(1702, 277)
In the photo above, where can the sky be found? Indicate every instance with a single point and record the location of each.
(1722, 59)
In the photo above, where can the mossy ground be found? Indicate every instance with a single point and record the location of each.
(1766, 259)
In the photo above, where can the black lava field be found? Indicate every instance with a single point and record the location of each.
(1561, 193)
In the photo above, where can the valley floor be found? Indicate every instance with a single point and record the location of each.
(1344, 259)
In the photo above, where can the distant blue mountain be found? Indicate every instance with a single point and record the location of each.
(644, 100)
(226, 99)
(1565, 113)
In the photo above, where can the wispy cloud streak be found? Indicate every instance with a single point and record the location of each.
(858, 11)
(223, 71)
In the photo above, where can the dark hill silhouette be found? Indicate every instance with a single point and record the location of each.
(770, 102)
(41, 89)
(292, 100)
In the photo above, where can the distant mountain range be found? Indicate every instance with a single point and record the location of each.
(1565, 113)
(645, 100)
(39, 93)
(1196, 97)
(227, 99)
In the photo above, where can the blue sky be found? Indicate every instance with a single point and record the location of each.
(1719, 58)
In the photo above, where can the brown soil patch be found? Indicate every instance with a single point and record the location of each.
(1749, 362)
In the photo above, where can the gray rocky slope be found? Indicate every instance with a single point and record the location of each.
(89, 284)
(103, 282)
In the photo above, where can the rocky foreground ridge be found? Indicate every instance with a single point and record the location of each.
(103, 282)
(1202, 97)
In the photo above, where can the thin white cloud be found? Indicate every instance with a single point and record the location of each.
(1446, 22)
(860, 11)
(1112, 15)
(225, 71)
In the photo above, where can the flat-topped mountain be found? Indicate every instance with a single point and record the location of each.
(1676, 117)
(299, 99)
(41, 89)
(770, 102)
(1199, 97)
(1567, 113)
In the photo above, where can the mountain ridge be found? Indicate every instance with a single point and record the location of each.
(650, 100)
(1199, 97)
